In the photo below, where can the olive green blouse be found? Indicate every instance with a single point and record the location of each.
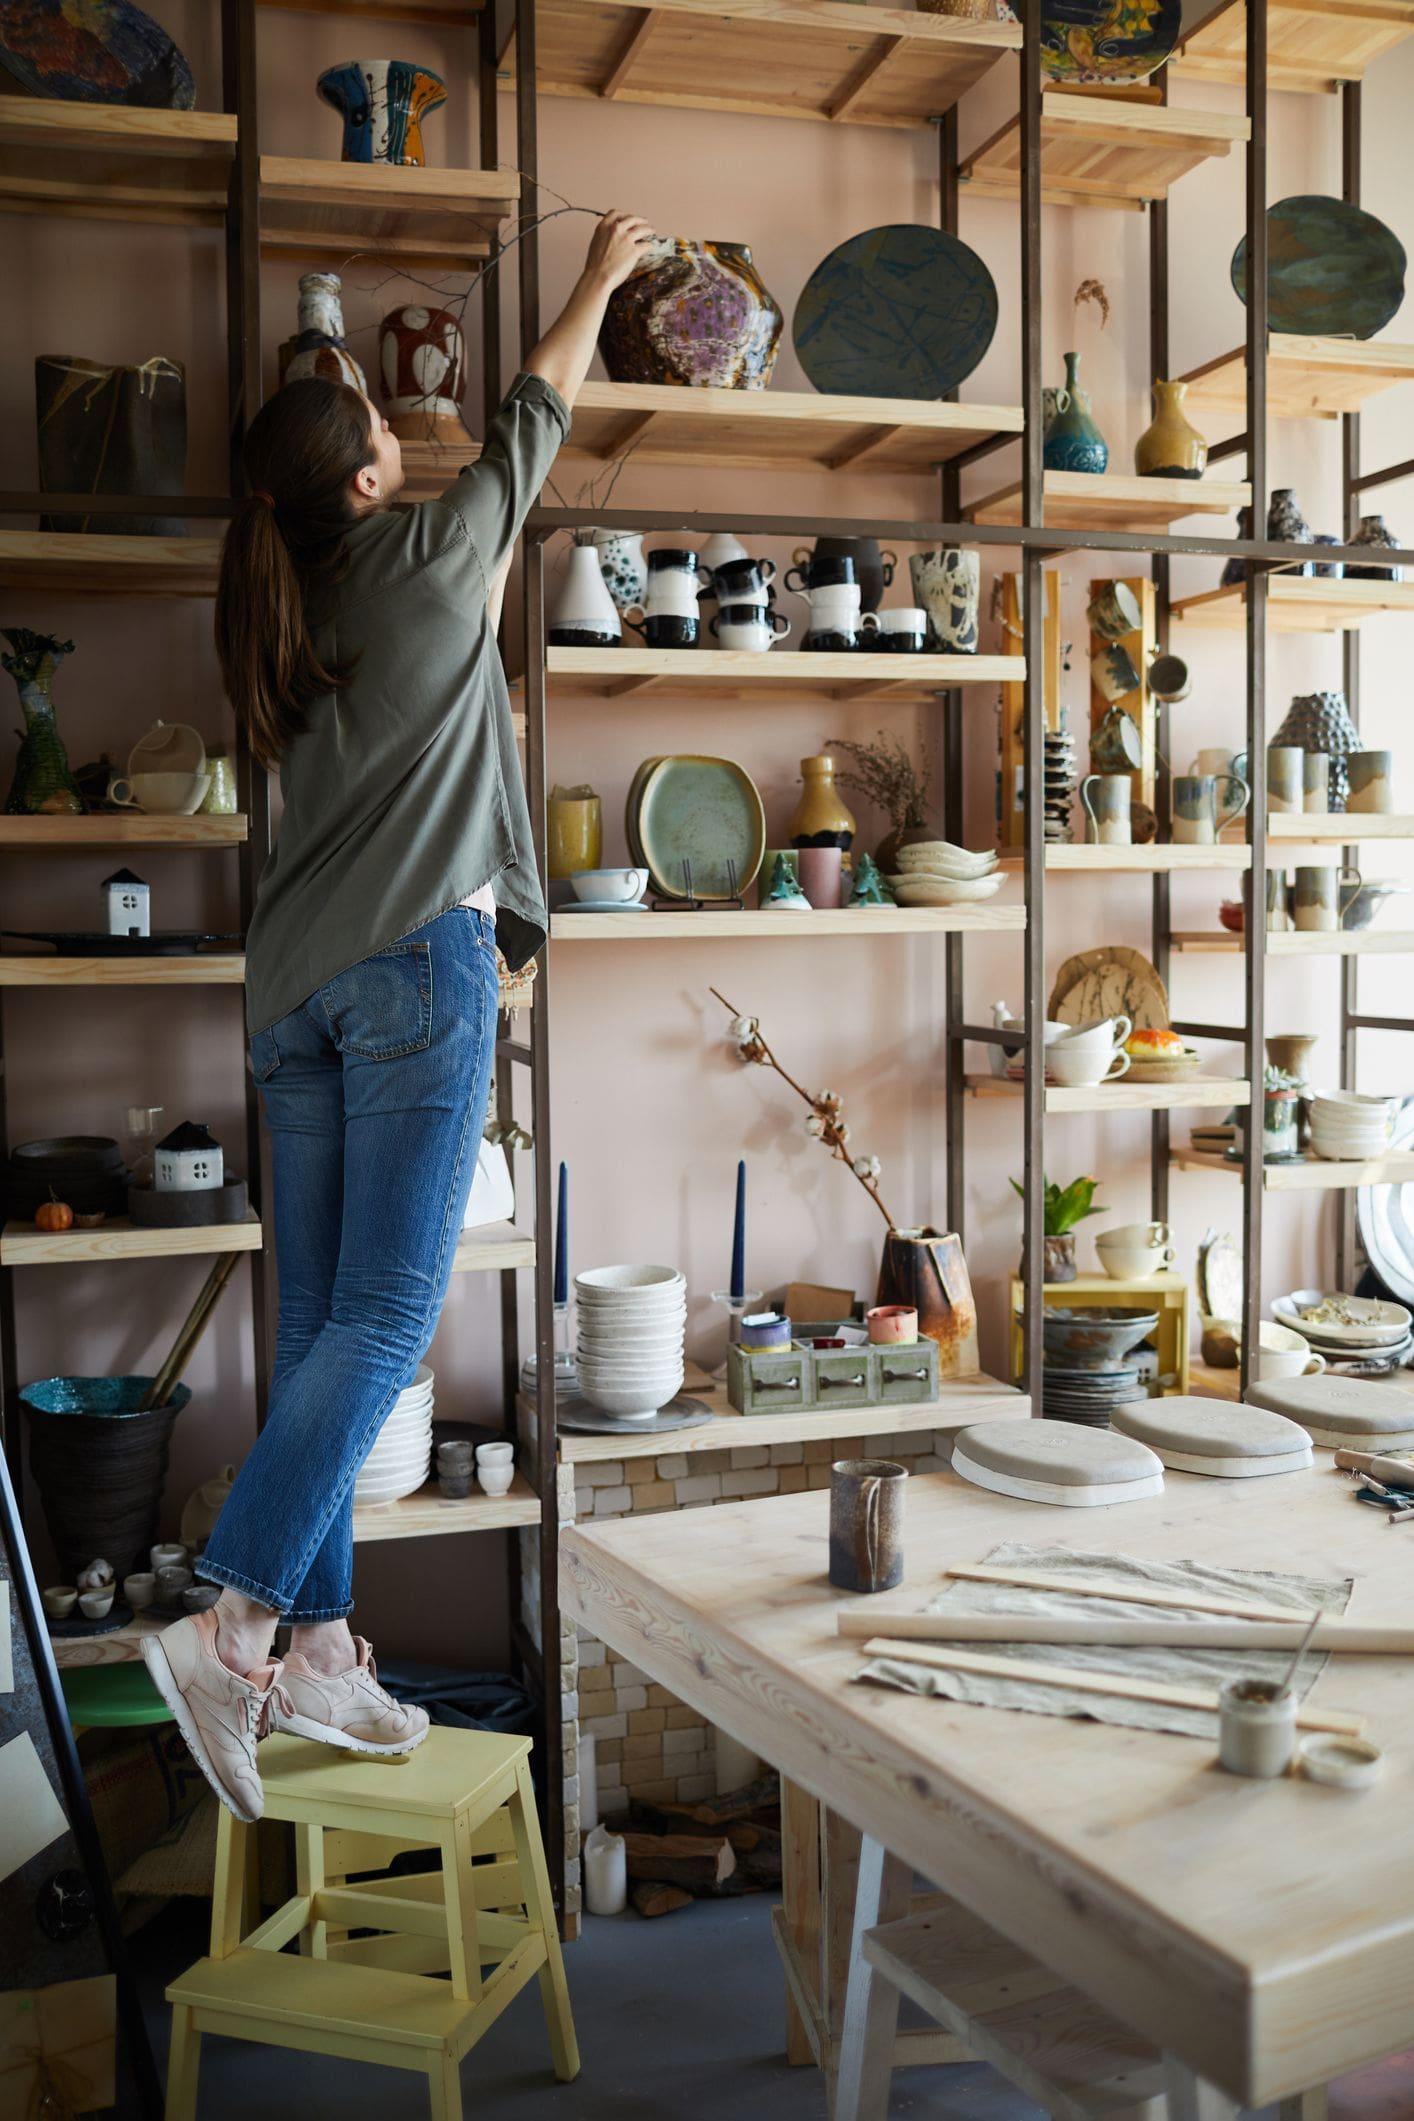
(404, 794)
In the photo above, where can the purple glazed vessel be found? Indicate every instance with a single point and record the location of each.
(696, 314)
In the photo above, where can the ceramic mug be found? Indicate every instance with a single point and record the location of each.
(1107, 815)
(1197, 819)
(1079, 1071)
(1115, 743)
(892, 1325)
(1217, 761)
(1170, 679)
(664, 629)
(1285, 778)
(1315, 782)
(1113, 673)
(834, 618)
(1136, 1251)
(947, 582)
(161, 794)
(754, 627)
(1278, 901)
(1371, 781)
(902, 630)
(1276, 1357)
(866, 1524)
(1322, 896)
(1113, 611)
(575, 833)
(743, 581)
(624, 885)
(821, 570)
(821, 877)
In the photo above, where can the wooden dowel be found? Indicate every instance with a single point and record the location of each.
(1333, 1631)
(1079, 1681)
(193, 1326)
(1134, 1593)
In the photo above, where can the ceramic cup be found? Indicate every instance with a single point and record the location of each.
(822, 570)
(162, 794)
(1281, 1352)
(172, 1581)
(1113, 611)
(902, 630)
(1170, 679)
(821, 874)
(1220, 763)
(764, 1329)
(866, 1524)
(1315, 782)
(834, 618)
(1113, 673)
(1115, 743)
(947, 583)
(1285, 778)
(494, 1478)
(1371, 780)
(743, 581)
(624, 885)
(169, 1554)
(754, 627)
(499, 1452)
(60, 1600)
(140, 1589)
(575, 826)
(1198, 817)
(1104, 797)
(1136, 1251)
(96, 1605)
(664, 629)
(1278, 896)
(1322, 896)
(892, 1325)
(1078, 1071)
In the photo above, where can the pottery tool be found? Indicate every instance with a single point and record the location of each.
(193, 1326)
(1324, 1631)
(1398, 1471)
(1028, 1673)
(1133, 1593)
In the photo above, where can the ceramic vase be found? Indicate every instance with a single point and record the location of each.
(1236, 570)
(574, 837)
(1072, 440)
(947, 582)
(622, 564)
(1058, 1257)
(926, 1271)
(382, 103)
(584, 614)
(821, 817)
(1285, 523)
(42, 785)
(100, 1466)
(695, 314)
(1374, 532)
(1170, 446)
(1320, 721)
(422, 373)
(107, 429)
(317, 348)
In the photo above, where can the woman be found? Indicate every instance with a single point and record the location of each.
(358, 648)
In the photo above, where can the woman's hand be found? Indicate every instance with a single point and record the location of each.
(615, 249)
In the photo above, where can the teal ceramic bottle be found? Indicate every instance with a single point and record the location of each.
(1072, 440)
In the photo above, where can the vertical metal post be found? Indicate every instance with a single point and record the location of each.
(1161, 911)
(528, 164)
(10, 1423)
(1350, 144)
(954, 1109)
(1255, 965)
(489, 149)
(1033, 751)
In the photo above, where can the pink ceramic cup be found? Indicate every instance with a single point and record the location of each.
(892, 1325)
(819, 872)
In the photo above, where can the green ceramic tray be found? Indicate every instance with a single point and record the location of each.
(707, 811)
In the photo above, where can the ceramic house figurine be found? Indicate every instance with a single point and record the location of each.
(188, 1160)
(869, 886)
(785, 895)
(126, 896)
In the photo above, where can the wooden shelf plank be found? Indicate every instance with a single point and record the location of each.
(1311, 50)
(1301, 604)
(1076, 500)
(1123, 1095)
(104, 829)
(1147, 860)
(1340, 828)
(96, 564)
(1104, 151)
(960, 1401)
(825, 61)
(118, 1646)
(756, 923)
(427, 1514)
(1307, 378)
(446, 13)
(107, 161)
(312, 207)
(631, 673)
(492, 1248)
(1346, 942)
(1206, 940)
(219, 969)
(1315, 1175)
(21, 1245)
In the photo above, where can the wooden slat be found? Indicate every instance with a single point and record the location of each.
(103, 160)
(1306, 377)
(492, 1249)
(1309, 47)
(21, 1245)
(1301, 604)
(1341, 942)
(1314, 1175)
(106, 829)
(1076, 500)
(755, 923)
(99, 564)
(1105, 150)
(442, 215)
(226, 969)
(736, 672)
(1123, 1095)
(1341, 828)
(427, 1514)
(1146, 860)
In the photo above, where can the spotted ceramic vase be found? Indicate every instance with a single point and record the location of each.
(317, 348)
(422, 372)
(1072, 440)
(694, 313)
(947, 582)
(1374, 532)
(623, 566)
(382, 103)
(1320, 721)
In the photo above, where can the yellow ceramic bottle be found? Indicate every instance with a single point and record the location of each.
(1170, 447)
(821, 818)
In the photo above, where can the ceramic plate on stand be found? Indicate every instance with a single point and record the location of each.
(683, 1412)
(902, 311)
(631, 806)
(705, 811)
(1107, 40)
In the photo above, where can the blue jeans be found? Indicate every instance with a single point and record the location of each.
(375, 1093)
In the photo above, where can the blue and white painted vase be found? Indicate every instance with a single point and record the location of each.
(382, 103)
(1072, 441)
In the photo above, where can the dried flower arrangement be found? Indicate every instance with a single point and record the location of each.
(1094, 291)
(825, 1122)
(884, 772)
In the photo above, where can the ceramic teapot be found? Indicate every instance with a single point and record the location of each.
(1115, 743)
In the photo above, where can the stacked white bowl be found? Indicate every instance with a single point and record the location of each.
(1349, 1127)
(631, 1324)
(401, 1458)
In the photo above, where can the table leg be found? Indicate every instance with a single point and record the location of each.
(842, 1844)
(1193, 2098)
(800, 1906)
(870, 2022)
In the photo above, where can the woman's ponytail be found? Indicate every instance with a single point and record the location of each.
(303, 450)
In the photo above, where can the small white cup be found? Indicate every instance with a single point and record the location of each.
(168, 1554)
(495, 1479)
(1077, 1071)
(169, 794)
(59, 1600)
(625, 885)
(140, 1589)
(495, 1454)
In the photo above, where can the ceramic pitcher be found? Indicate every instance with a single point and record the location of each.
(1107, 810)
(1197, 817)
(1072, 440)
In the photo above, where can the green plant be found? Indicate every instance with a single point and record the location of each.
(1064, 1206)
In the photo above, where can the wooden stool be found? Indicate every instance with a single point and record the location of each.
(464, 1793)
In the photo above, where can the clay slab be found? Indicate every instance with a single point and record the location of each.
(1057, 1462)
(1209, 1436)
(1343, 1413)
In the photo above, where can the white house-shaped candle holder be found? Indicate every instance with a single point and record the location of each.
(188, 1160)
(126, 897)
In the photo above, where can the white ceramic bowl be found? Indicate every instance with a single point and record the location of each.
(620, 1373)
(390, 1490)
(614, 1281)
(921, 889)
(636, 1335)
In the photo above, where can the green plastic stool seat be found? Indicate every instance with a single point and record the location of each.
(112, 1696)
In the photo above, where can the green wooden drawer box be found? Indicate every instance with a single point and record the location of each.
(801, 1378)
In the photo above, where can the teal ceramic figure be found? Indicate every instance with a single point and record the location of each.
(43, 784)
(1072, 441)
(869, 886)
(785, 895)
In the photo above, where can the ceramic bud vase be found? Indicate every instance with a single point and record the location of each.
(1285, 523)
(947, 582)
(1170, 446)
(42, 786)
(585, 615)
(926, 1271)
(422, 373)
(317, 348)
(624, 568)
(1374, 532)
(1072, 440)
(821, 817)
(693, 313)
(382, 103)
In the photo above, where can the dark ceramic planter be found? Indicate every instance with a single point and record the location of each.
(99, 1466)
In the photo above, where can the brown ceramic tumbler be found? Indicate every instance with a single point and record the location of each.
(866, 1524)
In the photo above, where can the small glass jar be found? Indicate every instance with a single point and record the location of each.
(1279, 1123)
(1256, 1728)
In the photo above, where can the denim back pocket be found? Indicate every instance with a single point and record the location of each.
(383, 1007)
(264, 1055)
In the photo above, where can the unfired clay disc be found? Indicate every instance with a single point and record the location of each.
(1344, 1413)
(1211, 1436)
(1056, 1461)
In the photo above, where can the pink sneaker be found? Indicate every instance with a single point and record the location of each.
(347, 1708)
(220, 1714)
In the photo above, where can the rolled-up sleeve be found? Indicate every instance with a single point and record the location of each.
(494, 495)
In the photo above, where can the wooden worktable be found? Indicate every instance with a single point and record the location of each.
(1262, 1932)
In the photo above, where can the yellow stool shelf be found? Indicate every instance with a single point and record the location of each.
(1168, 1294)
(486, 1918)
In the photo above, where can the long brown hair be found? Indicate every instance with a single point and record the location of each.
(303, 450)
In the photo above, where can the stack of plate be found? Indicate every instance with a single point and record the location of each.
(631, 1323)
(401, 1459)
(1087, 1396)
(1347, 1127)
(1060, 784)
(1356, 1334)
(703, 812)
(936, 873)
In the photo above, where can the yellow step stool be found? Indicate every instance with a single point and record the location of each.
(465, 1793)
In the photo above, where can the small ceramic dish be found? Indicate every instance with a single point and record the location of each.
(1344, 1763)
(60, 1600)
(765, 1329)
(1363, 1323)
(925, 890)
(95, 1605)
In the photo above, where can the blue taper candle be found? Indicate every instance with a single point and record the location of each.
(562, 1272)
(739, 1236)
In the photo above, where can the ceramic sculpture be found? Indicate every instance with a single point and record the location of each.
(1332, 270)
(317, 348)
(107, 51)
(869, 888)
(785, 894)
(111, 429)
(1374, 532)
(695, 314)
(1107, 40)
(902, 311)
(947, 582)
(1320, 721)
(1170, 447)
(1072, 441)
(382, 103)
(422, 373)
(42, 785)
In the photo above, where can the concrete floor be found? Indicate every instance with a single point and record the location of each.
(678, 2020)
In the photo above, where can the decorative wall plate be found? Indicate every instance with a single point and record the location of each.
(1332, 270)
(106, 53)
(1107, 40)
(902, 311)
(706, 811)
(1111, 981)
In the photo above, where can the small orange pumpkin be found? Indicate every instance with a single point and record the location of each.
(54, 1215)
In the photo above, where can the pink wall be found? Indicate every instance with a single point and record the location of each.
(649, 1109)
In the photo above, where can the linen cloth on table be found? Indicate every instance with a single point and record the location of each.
(1174, 1667)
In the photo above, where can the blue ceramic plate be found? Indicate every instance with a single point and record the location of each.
(899, 312)
(1332, 270)
(1107, 40)
(105, 52)
(707, 811)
